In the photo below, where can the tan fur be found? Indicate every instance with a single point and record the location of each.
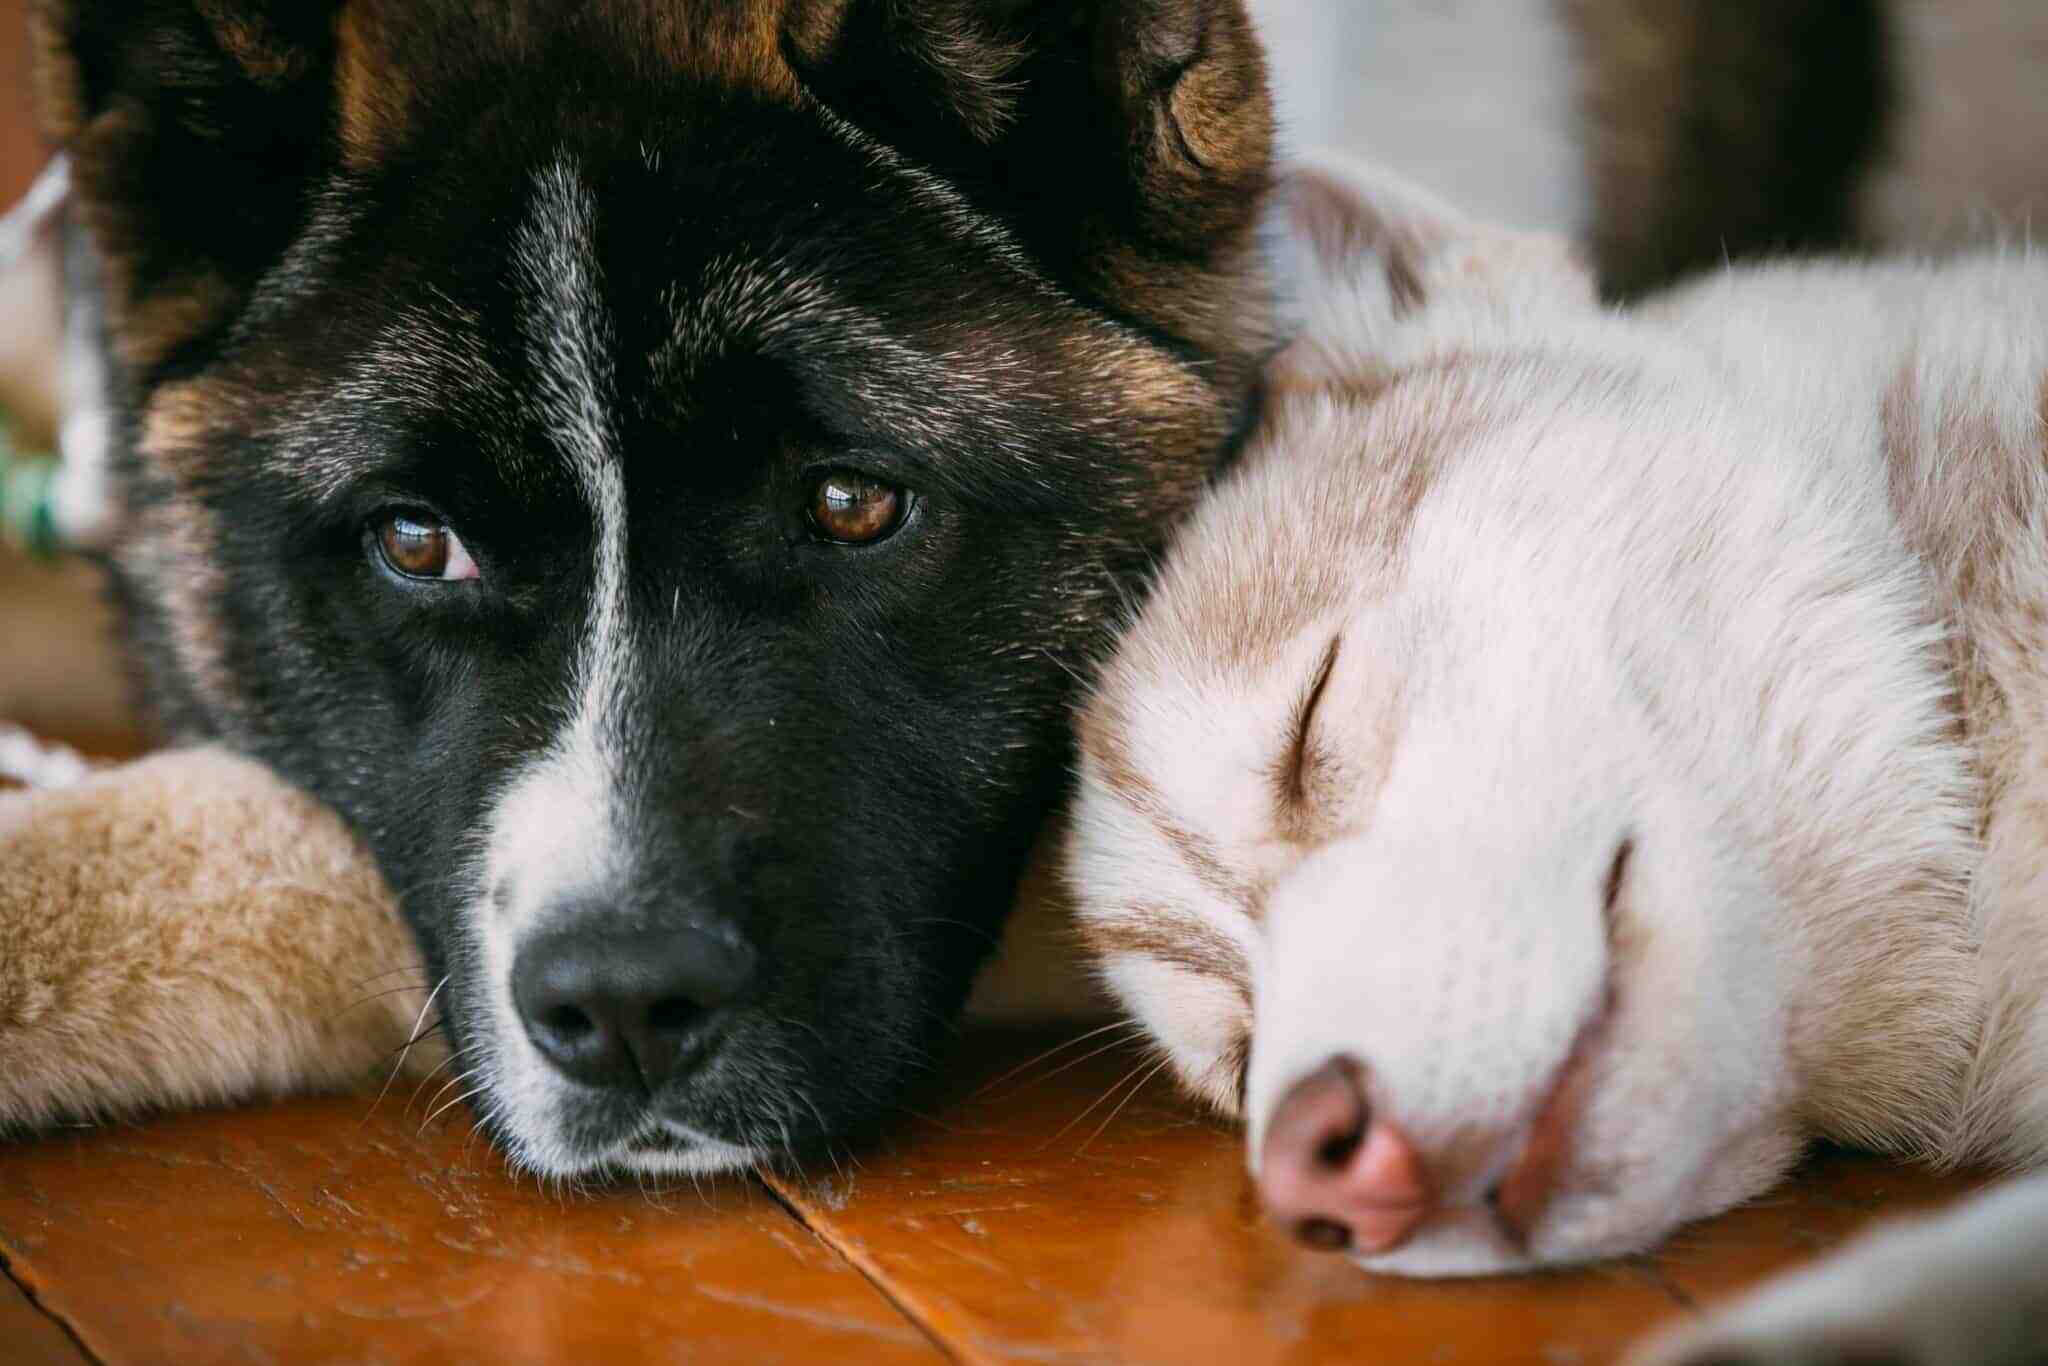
(180, 419)
(175, 543)
(1165, 936)
(249, 40)
(1969, 476)
(186, 930)
(1101, 742)
(372, 96)
(738, 41)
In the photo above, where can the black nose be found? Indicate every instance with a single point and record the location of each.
(625, 1009)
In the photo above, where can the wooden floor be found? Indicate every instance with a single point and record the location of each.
(1018, 1220)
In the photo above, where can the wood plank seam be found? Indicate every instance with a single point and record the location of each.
(1654, 1273)
(953, 1339)
(22, 1282)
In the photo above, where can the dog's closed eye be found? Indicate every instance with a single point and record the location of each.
(1298, 760)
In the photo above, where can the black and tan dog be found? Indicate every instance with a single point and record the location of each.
(656, 470)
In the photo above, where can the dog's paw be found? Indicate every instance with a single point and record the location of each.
(1969, 1288)
(187, 930)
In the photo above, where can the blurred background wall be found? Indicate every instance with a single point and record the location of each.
(20, 153)
(1473, 98)
(59, 670)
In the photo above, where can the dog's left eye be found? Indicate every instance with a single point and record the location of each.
(415, 546)
(852, 509)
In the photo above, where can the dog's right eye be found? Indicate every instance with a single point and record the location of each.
(414, 545)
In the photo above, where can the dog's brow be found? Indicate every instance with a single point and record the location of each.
(930, 387)
(429, 361)
(947, 205)
(907, 389)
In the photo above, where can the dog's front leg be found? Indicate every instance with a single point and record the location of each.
(188, 930)
(1965, 1288)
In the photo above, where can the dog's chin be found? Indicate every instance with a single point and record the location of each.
(573, 1137)
(1580, 1229)
(560, 1130)
(677, 1150)
(1617, 1203)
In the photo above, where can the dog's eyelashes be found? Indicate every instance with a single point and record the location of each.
(848, 508)
(415, 545)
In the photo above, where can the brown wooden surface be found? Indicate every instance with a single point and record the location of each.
(1028, 1231)
(1003, 1223)
(312, 1232)
(30, 1337)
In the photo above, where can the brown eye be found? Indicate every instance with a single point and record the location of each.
(853, 509)
(418, 547)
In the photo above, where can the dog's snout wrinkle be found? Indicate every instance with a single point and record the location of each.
(628, 1009)
(1519, 1199)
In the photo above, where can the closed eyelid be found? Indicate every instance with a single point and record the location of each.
(1299, 756)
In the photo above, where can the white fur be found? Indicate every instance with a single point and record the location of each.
(33, 763)
(1750, 580)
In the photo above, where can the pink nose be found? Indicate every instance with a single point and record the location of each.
(1335, 1174)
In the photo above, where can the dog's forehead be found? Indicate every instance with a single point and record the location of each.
(394, 59)
(643, 274)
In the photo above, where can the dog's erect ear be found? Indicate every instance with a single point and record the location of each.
(1361, 253)
(191, 126)
(1128, 142)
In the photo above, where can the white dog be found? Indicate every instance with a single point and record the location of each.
(1580, 757)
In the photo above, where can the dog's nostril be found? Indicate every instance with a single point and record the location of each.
(567, 1022)
(674, 1014)
(1337, 1150)
(1324, 1235)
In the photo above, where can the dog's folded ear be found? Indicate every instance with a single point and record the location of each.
(190, 124)
(1362, 253)
(1127, 142)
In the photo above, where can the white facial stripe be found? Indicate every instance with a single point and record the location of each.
(557, 833)
(561, 816)
(570, 336)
